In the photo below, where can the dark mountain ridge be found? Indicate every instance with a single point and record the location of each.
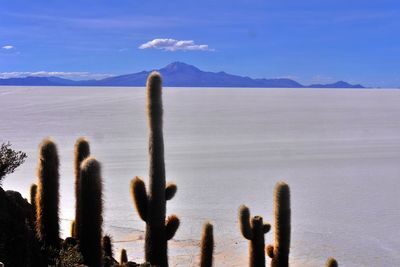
(176, 74)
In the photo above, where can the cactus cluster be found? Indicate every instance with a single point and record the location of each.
(151, 206)
(86, 228)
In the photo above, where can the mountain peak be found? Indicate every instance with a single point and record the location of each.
(179, 66)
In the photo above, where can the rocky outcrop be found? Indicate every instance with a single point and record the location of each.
(18, 244)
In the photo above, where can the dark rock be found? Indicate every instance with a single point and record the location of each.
(18, 243)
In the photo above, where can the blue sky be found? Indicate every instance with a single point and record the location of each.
(310, 41)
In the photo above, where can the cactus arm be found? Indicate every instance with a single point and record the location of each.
(170, 191)
(244, 222)
(266, 228)
(139, 195)
(331, 263)
(171, 226)
(270, 251)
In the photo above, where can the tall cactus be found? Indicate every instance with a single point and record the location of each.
(253, 231)
(207, 246)
(47, 197)
(279, 252)
(91, 212)
(331, 262)
(152, 206)
(81, 152)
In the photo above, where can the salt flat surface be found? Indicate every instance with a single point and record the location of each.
(339, 150)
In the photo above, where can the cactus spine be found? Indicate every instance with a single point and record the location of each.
(81, 152)
(279, 252)
(207, 246)
(47, 197)
(91, 212)
(123, 257)
(331, 262)
(152, 206)
(253, 231)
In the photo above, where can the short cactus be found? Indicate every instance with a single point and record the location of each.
(331, 262)
(81, 152)
(151, 206)
(123, 257)
(47, 197)
(73, 229)
(279, 252)
(207, 246)
(91, 212)
(107, 246)
(254, 231)
(33, 192)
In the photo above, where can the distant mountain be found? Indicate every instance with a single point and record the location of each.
(340, 84)
(176, 74)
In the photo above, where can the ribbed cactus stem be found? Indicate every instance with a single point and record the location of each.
(81, 152)
(123, 257)
(281, 248)
(91, 212)
(47, 197)
(207, 246)
(254, 230)
(331, 262)
(151, 205)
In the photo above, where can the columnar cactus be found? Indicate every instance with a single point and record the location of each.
(152, 206)
(207, 246)
(82, 151)
(331, 262)
(123, 257)
(33, 192)
(279, 252)
(91, 212)
(47, 197)
(254, 231)
(107, 246)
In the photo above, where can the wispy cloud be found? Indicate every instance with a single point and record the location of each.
(7, 47)
(175, 45)
(69, 75)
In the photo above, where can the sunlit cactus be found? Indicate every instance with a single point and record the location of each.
(279, 252)
(73, 229)
(331, 262)
(123, 257)
(151, 206)
(107, 246)
(207, 246)
(254, 231)
(81, 152)
(47, 197)
(91, 212)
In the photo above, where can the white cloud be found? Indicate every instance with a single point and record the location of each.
(61, 74)
(8, 47)
(175, 45)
